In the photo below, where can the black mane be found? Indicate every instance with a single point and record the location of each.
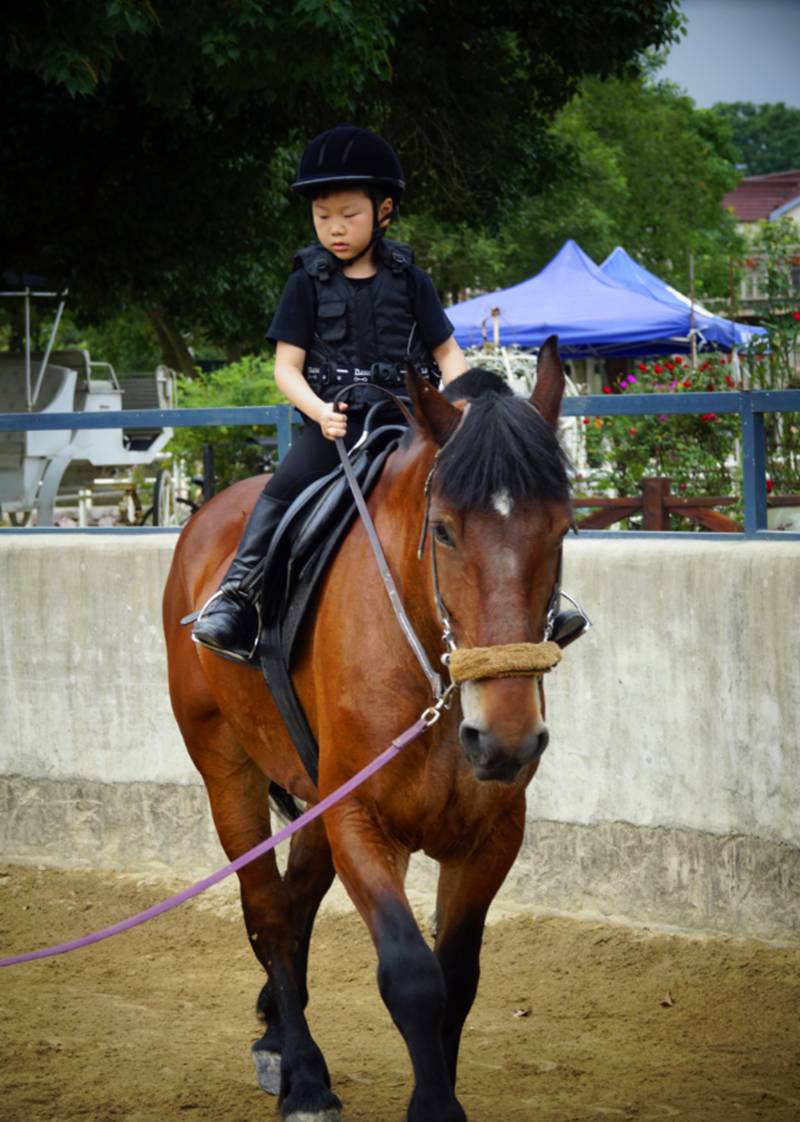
(503, 445)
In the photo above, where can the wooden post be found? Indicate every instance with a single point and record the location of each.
(655, 490)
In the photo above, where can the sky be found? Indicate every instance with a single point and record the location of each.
(739, 50)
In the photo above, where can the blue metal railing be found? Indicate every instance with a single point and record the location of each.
(278, 415)
(750, 405)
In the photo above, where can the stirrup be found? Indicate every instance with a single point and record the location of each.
(224, 652)
(579, 611)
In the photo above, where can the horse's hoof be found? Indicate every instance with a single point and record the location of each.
(268, 1070)
(332, 1115)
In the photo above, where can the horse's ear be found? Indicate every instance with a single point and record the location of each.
(434, 414)
(549, 388)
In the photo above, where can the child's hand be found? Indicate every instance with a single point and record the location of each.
(333, 421)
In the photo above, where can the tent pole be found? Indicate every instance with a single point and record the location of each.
(28, 348)
(692, 333)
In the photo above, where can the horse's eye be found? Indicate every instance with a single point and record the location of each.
(443, 536)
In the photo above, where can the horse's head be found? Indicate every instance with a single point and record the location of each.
(499, 510)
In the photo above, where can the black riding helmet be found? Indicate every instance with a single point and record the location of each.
(349, 155)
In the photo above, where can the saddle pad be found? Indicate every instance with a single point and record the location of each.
(306, 540)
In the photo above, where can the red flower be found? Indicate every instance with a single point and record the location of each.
(687, 385)
(586, 420)
(670, 365)
(632, 431)
(710, 386)
(796, 316)
(708, 416)
(606, 389)
(770, 485)
(730, 381)
(658, 369)
(677, 360)
(682, 486)
(751, 263)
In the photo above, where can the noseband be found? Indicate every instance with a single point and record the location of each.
(469, 664)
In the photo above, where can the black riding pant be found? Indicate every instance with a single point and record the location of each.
(310, 457)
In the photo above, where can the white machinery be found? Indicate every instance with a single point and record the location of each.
(36, 464)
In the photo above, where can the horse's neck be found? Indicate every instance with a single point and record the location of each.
(398, 512)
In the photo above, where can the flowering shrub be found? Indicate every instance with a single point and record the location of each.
(697, 453)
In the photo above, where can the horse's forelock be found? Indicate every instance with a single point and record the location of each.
(502, 446)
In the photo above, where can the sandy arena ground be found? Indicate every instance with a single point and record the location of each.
(575, 1021)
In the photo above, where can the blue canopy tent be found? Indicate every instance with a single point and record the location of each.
(593, 313)
(714, 330)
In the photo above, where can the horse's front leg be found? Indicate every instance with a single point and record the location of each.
(466, 890)
(410, 978)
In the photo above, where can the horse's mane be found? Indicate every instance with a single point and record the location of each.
(504, 446)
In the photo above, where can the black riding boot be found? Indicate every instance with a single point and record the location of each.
(228, 622)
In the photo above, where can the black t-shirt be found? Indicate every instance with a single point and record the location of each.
(296, 316)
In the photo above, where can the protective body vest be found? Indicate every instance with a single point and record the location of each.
(364, 333)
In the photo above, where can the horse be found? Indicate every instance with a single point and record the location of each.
(497, 511)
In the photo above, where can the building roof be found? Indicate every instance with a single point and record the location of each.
(759, 196)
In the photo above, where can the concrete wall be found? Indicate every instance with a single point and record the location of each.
(669, 794)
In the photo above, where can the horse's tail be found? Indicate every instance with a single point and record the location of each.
(284, 804)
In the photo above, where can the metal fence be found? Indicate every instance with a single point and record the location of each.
(750, 405)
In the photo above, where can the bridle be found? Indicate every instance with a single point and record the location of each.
(462, 664)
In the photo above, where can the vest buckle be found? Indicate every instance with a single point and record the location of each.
(387, 374)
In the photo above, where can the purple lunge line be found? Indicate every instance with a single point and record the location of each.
(397, 745)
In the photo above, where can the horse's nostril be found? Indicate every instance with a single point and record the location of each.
(470, 739)
(542, 741)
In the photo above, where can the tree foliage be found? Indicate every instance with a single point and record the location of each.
(766, 137)
(643, 168)
(247, 382)
(153, 140)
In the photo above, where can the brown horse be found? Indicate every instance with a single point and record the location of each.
(499, 511)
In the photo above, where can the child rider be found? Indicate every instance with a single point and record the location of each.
(354, 310)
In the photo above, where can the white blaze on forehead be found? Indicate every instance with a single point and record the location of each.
(503, 503)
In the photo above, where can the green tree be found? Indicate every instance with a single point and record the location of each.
(153, 140)
(642, 167)
(767, 137)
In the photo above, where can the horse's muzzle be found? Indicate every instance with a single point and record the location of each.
(489, 759)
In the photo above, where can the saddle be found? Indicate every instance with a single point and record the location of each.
(301, 549)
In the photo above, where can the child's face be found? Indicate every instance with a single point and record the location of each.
(343, 221)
